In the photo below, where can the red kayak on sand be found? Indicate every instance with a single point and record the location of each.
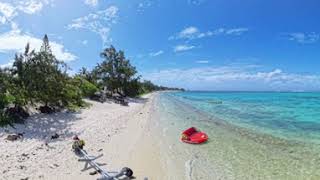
(193, 136)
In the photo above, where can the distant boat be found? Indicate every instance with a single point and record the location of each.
(193, 136)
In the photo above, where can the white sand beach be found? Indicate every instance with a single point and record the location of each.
(122, 134)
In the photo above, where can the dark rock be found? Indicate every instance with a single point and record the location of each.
(46, 110)
(99, 96)
(13, 137)
(24, 178)
(55, 136)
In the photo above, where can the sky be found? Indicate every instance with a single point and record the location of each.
(234, 45)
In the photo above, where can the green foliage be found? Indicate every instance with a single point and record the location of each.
(133, 88)
(72, 95)
(89, 76)
(44, 78)
(115, 72)
(38, 78)
(87, 88)
(5, 97)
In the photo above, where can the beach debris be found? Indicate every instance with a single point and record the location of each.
(77, 143)
(13, 137)
(24, 178)
(77, 147)
(55, 136)
(100, 150)
(24, 154)
(54, 166)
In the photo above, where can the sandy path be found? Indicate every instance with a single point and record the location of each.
(121, 133)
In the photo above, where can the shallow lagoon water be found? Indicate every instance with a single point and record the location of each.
(288, 115)
(252, 135)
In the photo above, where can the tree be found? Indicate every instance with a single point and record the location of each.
(5, 97)
(115, 72)
(19, 79)
(42, 78)
(89, 76)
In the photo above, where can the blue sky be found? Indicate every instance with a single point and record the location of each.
(195, 44)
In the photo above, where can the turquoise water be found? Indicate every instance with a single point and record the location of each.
(289, 115)
(251, 135)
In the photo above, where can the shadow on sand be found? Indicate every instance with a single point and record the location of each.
(45, 126)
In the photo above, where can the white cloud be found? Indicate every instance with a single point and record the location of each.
(32, 6)
(188, 32)
(10, 10)
(143, 5)
(7, 10)
(236, 31)
(196, 2)
(180, 48)
(7, 65)
(16, 41)
(153, 54)
(202, 62)
(235, 78)
(194, 33)
(91, 2)
(304, 37)
(99, 22)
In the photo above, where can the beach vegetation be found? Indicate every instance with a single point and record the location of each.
(115, 72)
(39, 79)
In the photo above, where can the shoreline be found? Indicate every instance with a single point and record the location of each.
(145, 137)
(107, 128)
(237, 153)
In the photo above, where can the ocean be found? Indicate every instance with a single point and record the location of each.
(252, 135)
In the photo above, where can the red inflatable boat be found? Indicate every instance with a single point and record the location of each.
(193, 136)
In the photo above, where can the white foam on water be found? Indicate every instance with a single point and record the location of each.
(188, 169)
